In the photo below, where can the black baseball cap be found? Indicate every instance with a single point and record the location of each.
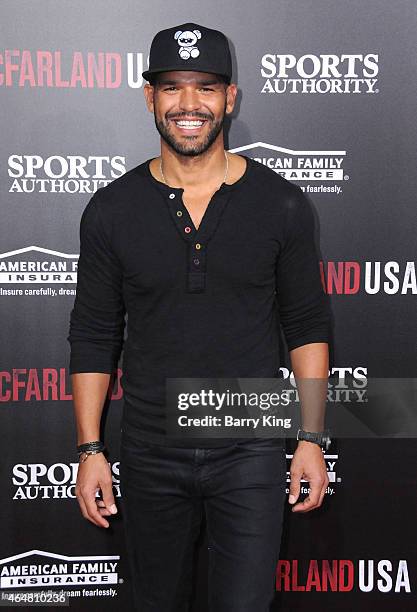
(190, 46)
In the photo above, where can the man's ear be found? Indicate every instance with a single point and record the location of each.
(149, 92)
(231, 92)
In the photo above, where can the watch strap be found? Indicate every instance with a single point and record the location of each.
(322, 438)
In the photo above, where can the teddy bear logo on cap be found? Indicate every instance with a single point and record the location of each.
(187, 41)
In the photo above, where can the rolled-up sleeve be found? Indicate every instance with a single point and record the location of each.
(303, 305)
(97, 319)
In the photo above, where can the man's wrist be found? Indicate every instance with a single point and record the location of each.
(88, 437)
(92, 445)
(320, 438)
(85, 455)
(86, 449)
(308, 443)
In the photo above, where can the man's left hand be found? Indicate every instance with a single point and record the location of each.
(308, 463)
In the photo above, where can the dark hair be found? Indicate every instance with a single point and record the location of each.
(153, 79)
(223, 79)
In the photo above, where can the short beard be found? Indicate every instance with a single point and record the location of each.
(183, 149)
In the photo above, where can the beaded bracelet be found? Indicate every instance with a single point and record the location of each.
(97, 445)
(90, 448)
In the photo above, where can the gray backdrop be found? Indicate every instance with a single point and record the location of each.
(340, 121)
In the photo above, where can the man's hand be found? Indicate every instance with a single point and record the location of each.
(95, 474)
(308, 463)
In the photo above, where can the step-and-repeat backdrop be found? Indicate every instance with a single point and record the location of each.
(327, 99)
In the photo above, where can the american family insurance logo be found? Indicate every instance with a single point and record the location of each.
(36, 266)
(343, 575)
(37, 568)
(59, 174)
(24, 68)
(320, 74)
(371, 277)
(314, 171)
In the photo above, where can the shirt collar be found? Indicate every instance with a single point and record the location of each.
(224, 187)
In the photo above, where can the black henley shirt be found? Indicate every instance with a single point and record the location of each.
(204, 302)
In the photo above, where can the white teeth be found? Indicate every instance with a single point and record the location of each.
(189, 124)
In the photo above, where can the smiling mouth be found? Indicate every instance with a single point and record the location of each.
(189, 124)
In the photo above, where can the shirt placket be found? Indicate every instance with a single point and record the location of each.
(196, 239)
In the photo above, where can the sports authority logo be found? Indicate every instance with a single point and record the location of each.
(57, 481)
(35, 265)
(341, 575)
(59, 174)
(322, 74)
(346, 384)
(187, 41)
(325, 167)
(37, 568)
(358, 374)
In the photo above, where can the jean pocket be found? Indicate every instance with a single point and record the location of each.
(262, 444)
(134, 445)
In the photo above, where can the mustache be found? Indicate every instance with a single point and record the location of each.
(193, 115)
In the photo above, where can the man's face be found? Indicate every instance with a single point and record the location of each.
(189, 109)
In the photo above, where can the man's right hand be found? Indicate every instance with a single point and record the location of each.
(94, 474)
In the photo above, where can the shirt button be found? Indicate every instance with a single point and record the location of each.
(172, 196)
(179, 213)
(187, 229)
(196, 261)
(198, 246)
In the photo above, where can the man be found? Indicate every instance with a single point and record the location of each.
(207, 252)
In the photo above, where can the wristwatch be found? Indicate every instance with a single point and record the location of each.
(322, 438)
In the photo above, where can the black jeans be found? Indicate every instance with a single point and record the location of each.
(164, 490)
